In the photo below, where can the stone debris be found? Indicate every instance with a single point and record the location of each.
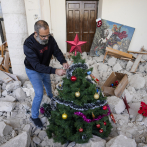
(121, 141)
(137, 81)
(5, 129)
(22, 140)
(7, 106)
(116, 104)
(129, 131)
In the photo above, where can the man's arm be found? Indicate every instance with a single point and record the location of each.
(57, 53)
(34, 61)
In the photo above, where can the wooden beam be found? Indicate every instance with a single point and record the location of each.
(137, 61)
(117, 54)
(137, 52)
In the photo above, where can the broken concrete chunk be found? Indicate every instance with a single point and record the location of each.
(27, 84)
(19, 94)
(134, 107)
(122, 141)
(5, 129)
(42, 135)
(102, 67)
(22, 140)
(7, 106)
(139, 117)
(129, 65)
(117, 67)
(97, 142)
(27, 128)
(4, 93)
(0, 91)
(121, 119)
(4, 86)
(8, 98)
(137, 81)
(116, 104)
(5, 78)
(36, 140)
(14, 122)
(141, 68)
(112, 61)
(129, 97)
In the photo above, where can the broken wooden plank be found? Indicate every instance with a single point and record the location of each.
(137, 52)
(117, 54)
(6, 62)
(5, 78)
(136, 63)
(122, 58)
(14, 77)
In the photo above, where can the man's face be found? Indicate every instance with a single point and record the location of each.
(43, 36)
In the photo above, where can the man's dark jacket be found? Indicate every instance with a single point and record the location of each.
(38, 56)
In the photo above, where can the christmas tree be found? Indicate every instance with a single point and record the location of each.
(81, 109)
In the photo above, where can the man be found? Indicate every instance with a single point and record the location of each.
(39, 48)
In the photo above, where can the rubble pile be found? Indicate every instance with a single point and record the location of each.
(129, 130)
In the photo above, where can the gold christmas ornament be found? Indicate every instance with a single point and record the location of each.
(77, 94)
(64, 116)
(96, 96)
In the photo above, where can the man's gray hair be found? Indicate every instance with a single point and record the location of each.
(40, 24)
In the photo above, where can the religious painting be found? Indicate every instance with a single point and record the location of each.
(113, 35)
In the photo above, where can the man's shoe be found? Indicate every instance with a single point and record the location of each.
(37, 122)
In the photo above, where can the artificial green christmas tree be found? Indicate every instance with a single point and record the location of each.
(81, 109)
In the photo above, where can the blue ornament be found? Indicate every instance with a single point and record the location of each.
(89, 72)
(97, 90)
(112, 85)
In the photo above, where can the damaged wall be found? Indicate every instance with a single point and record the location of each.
(16, 32)
(130, 13)
(0, 17)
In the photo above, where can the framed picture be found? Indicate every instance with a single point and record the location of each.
(113, 35)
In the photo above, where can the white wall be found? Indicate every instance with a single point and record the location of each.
(0, 17)
(132, 13)
(52, 11)
(33, 13)
(100, 3)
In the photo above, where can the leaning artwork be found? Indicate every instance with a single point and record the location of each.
(113, 35)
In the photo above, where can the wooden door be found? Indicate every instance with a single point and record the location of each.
(81, 19)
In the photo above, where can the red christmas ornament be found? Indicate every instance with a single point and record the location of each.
(101, 130)
(81, 130)
(104, 107)
(98, 126)
(99, 22)
(105, 123)
(76, 45)
(73, 78)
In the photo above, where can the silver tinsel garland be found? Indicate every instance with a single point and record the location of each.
(73, 67)
(88, 106)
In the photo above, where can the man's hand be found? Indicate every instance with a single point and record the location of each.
(60, 72)
(65, 65)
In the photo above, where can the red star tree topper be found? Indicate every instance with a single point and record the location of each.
(76, 45)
